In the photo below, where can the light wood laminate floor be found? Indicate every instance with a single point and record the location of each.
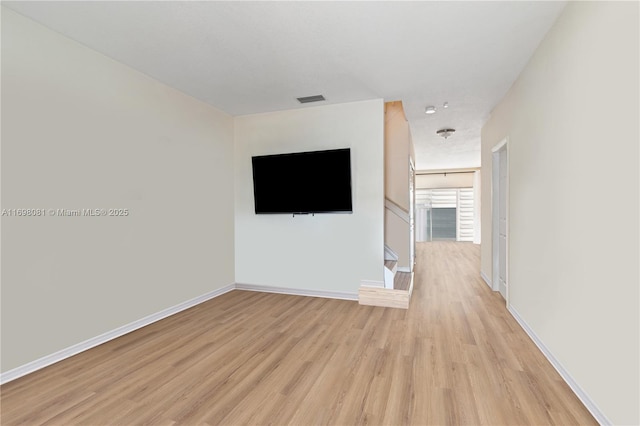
(455, 356)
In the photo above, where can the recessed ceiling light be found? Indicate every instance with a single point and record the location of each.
(430, 110)
(446, 105)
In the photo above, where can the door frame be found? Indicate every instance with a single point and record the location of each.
(496, 151)
(412, 215)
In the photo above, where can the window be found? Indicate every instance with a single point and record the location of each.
(444, 214)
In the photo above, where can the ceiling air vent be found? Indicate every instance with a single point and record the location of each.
(314, 98)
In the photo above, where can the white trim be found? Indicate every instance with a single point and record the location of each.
(389, 275)
(495, 217)
(389, 254)
(50, 359)
(109, 335)
(369, 283)
(580, 393)
(406, 269)
(499, 145)
(495, 222)
(486, 279)
(396, 209)
(298, 291)
(503, 289)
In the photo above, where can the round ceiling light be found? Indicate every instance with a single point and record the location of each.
(430, 110)
(445, 133)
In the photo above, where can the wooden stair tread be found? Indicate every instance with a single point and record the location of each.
(389, 264)
(402, 281)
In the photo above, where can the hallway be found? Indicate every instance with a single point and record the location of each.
(480, 360)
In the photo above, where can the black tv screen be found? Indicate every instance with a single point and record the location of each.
(303, 182)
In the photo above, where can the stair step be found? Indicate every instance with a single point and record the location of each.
(390, 264)
(384, 297)
(402, 281)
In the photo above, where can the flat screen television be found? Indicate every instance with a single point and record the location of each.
(303, 182)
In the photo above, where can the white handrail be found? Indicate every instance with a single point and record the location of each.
(396, 209)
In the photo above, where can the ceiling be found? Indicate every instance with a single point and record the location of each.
(253, 57)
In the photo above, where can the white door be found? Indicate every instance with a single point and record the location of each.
(412, 214)
(500, 218)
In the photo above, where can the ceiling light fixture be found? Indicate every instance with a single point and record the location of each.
(445, 105)
(430, 110)
(445, 133)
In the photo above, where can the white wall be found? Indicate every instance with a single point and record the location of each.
(325, 252)
(572, 118)
(82, 131)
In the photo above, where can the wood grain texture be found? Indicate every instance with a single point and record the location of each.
(384, 297)
(390, 264)
(402, 281)
(455, 356)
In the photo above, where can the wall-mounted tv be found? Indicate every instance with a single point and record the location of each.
(303, 182)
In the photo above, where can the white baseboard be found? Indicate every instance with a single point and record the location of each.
(369, 283)
(109, 335)
(486, 279)
(298, 292)
(120, 331)
(580, 393)
(404, 269)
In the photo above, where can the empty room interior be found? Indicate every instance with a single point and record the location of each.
(337, 213)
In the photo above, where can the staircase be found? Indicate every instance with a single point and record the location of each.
(397, 289)
(399, 183)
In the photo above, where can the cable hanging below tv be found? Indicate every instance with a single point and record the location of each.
(303, 182)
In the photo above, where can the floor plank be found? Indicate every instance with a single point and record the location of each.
(455, 356)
